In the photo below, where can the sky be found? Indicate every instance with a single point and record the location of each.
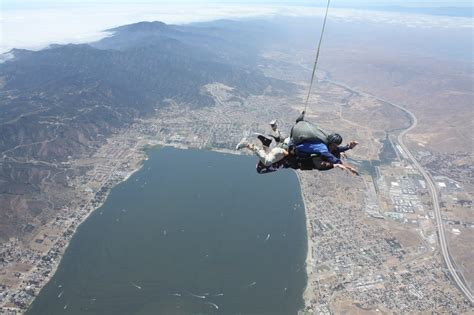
(336, 3)
(35, 24)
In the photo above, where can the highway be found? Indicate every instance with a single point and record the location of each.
(433, 192)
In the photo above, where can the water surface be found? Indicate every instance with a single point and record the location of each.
(192, 232)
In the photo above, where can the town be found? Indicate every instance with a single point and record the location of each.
(372, 240)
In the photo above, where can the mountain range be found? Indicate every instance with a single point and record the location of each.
(62, 102)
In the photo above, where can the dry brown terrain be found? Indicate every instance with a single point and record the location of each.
(439, 93)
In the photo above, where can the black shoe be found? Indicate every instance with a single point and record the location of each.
(265, 141)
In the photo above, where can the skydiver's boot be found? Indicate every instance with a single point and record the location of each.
(242, 144)
(265, 141)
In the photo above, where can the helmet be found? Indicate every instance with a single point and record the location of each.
(335, 138)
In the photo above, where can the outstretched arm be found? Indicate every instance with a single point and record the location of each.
(349, 146)
(347, 168)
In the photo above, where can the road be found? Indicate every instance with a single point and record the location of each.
(458, 278)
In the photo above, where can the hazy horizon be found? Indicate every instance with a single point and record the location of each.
(37, 24)
(6, 4)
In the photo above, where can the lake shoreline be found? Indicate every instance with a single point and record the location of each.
(308, 295)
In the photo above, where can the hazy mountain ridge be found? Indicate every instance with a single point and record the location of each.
(75, 80)
(224, 41)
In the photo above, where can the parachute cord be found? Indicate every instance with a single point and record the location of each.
(317, 56)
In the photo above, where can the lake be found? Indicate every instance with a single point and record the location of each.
(192, 232)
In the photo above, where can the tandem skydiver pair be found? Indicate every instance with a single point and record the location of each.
(307, 148)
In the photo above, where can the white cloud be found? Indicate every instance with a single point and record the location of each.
(403, 19)
(37, 28)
